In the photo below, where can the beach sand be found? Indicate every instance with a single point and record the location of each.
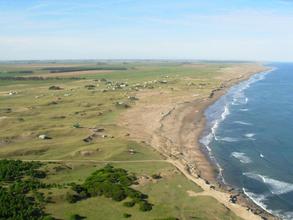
(173, 125)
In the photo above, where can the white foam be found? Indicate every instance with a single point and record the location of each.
(276, 187)
(244, 109)
(216, 122)
(241, 157)
(249, 135)
(284, 215)
(228, 139)
(225, 113)
(205, 140)
(237, 92)
(214, 129)
(258, 199)
(239, 97)
(242, 123)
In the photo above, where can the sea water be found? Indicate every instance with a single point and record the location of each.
(249, 136)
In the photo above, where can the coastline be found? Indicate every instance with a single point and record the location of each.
(242, 197)
(176, 134)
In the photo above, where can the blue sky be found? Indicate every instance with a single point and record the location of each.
(152, 29)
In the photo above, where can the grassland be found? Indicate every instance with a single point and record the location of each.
(94, 101)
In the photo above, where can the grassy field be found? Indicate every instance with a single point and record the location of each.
(169, 196)
(79, 118)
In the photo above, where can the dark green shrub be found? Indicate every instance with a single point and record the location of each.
(76, 217)
(144, 206)
(83, 195)
(71, 198)
(129, 204)
(38, 174)
(118, 195)
(76, 125)
(18, 206)
(135, 195)
(126, 215)
(15, 169)
(77, 188)
(112, 183)
(156, 176)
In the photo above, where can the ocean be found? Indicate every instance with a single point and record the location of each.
(249, 136)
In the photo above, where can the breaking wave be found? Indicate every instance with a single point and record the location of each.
(276, 187)
(219, 111)
(228, 139)
(260, 199)
(242, 123)
(249, 135)
(241, 157)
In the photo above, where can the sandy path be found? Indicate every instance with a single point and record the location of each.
(222, 197)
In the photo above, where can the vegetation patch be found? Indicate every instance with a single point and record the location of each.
(19, 182)
(15, 169)
(114, 183)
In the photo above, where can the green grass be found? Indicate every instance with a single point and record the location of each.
(169, 196)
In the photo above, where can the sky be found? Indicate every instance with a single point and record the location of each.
(260, 30)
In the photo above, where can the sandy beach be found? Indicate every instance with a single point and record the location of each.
(173, 125)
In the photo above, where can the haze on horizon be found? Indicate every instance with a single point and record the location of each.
(152, 29)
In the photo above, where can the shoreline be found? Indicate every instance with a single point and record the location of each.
(245, 200)
(176, 134)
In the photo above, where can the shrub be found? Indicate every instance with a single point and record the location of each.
(76, 125)
(118, 195)
(38, 174)
(76, 217)
(156, 176)
(18, 206)
(83, 195)
(112, 183)
(144, 206)
(77, 188)
(126, 215)
(136, 195)
(15, 169)
(129, 204)
(71, 198)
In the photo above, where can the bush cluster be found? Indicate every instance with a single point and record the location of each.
(18, 206)
(15, 169)
(17, 179)
(113, 183)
